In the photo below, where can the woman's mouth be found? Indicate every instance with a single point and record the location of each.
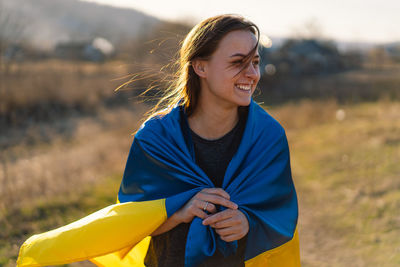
(244, 87)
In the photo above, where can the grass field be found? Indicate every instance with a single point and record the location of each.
(345, 166)
(347, 175)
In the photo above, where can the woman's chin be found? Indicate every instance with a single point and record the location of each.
(244, 101)
(243, 98)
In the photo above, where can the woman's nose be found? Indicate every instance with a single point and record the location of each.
(252, 71)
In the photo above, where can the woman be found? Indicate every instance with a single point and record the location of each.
(225, 72)
(219, 72)
(208, 176)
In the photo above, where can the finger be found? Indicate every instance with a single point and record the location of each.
(201, 214)
(202, 204)
(231, 238)
(228, 231)
(205, 205)
(220, 216)
(210, 208)
(217, 200)
(225, 223)
(216, 191)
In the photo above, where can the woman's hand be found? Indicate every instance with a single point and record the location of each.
(204, 201)
(230, 224)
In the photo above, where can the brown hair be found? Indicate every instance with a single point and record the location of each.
(200, 42)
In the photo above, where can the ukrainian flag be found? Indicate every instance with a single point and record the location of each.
(161, 176)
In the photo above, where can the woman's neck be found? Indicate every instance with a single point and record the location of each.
(212, 122)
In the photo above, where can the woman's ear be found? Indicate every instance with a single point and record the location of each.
(199, 66)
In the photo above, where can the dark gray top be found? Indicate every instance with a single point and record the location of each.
(213, 157)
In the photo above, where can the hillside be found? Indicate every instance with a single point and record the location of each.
(47, 22)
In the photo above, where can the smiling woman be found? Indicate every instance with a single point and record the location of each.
(225, 83)
(207, 179)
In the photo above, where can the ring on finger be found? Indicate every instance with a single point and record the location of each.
(205, 206)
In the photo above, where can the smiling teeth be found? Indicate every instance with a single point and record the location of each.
(243, 87)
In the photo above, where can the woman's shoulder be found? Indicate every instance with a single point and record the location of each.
(151, 126)
(160, 124)
(266, 121)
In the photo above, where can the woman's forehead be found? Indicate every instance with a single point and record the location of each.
(237, 43)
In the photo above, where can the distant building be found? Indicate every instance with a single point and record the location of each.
(13, 52)
(306, 56)
(393, 51)
(98, 50)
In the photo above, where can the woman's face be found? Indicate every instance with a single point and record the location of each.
(222, 83)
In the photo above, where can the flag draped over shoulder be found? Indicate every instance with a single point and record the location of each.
(161, 175)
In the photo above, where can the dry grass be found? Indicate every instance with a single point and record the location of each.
(45, 90)
(42, 184)
(347, 175)
(97, 147)
(305, 113)
(62, 81)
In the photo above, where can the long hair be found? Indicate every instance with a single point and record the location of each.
(200, 42)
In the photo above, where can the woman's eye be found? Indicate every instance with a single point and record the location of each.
(240, 63)
(237, 62)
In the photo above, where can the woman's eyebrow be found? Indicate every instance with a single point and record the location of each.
(238, 55)
(242, 55)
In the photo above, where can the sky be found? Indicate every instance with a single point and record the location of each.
(375, 21)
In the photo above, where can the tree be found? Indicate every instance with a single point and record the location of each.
(11, 32)
(311, 29)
